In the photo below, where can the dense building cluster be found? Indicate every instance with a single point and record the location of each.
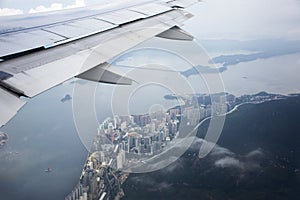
(143, 134)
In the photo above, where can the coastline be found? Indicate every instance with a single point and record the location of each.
(235, 108)
(124, 176)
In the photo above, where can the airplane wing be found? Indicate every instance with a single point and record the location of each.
(40, 51)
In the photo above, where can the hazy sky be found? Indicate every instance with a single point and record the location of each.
(230, 19)
(246, 19)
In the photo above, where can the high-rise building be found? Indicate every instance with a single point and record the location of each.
(123, 126)
(152, 127)
(121, 159)
(142, 120)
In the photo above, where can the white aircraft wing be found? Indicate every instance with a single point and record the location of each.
(40, 51)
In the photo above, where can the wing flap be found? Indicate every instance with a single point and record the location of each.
(182, 3)
(15, 43)
(151, 9)
(80, 28)
(104, 74)
(117, 17)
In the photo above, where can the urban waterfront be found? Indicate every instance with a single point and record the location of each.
(125, 144)
(23, 168)
(257, 157)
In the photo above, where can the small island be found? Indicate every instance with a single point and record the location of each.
(3, 139)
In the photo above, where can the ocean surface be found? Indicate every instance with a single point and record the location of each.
(42, 135)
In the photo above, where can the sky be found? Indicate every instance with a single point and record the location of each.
(243, 19)
(230, 19)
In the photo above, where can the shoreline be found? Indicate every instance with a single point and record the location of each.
(125, 175)
(235, 108)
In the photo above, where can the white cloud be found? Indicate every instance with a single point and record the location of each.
(224, 158)
(53, 7)
(10, 11)
(77, 4)
(152, 184)
(248, 162)
(57, 6)
(220, 151)
(229, 162)
(216, 150)
(255, 154)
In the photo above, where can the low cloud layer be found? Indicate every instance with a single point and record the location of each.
(151, 183)
(219, 157)
(224, 158)
(244, 166)
(10, 11)
(57, 6)
(229, 162)
(42, 8)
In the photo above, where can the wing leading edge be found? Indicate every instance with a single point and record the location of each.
(37, 57)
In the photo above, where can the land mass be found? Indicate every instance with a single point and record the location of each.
(257, 157)
(3, 139)
(127, 141)
(257, 49)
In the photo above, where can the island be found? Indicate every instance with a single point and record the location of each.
(3, 139)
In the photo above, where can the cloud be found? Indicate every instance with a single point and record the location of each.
(255, 154)
(53, 7)
(220, 151)
(248, 162)
(77, 4)
(229, 162)
(216, 150)
(222, 157)
(57, 6)
(10, 11)
(151, 183)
